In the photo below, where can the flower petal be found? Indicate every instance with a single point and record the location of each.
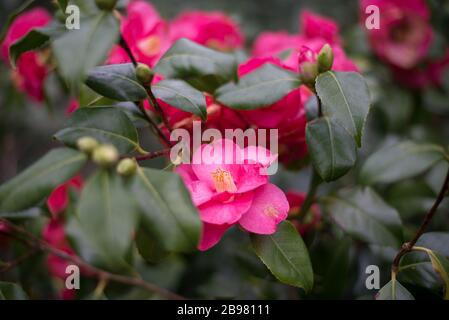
(220, 211)
(270, 206)
(211, 235)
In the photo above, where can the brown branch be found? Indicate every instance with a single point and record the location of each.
(125, 47)
(12, 264)
(157, 107)
(154, 125)
(152, 155)
(407, 247)
(39, 244)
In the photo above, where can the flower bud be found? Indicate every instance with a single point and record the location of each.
(126, 167)
(87, 144)
(105, 155)
(144, 73)
(107, 5)
(309, 72)
(325, 58)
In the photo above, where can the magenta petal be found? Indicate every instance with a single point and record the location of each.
(211, 235)
(220, 211)
(270, 206)
(250, 177)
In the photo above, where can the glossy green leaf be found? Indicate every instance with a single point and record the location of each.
(436, 241)
(203, 68)
(285, 255)
(393, 290)
(11, 291)
(345, 99)
(148, 247)
(106, 124)
(181, 95)
(400, 161)
(77, 51)
(361, 213)
(116, 81)
(34, 39)
(260, 88)
(107, 216)
(13, 17)
(441, 266)
(63, 4)
(331, 148)
(167, 209)
(33, 185)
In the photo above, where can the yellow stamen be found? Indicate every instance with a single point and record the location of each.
(223, 181)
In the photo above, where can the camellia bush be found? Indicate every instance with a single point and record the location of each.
(152, 189)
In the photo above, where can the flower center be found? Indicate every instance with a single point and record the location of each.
(150, 46)
(223, 181)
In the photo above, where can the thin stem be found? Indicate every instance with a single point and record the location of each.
(12, 264)
(152, 155)
(408, 246)
(153, 124)
(157, 107)
(125, 47)
(315, 181)
(103, 275)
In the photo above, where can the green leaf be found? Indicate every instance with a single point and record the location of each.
(181, 95)
(31, 186)
(116, 81)
(106, 124)
(361, 213)
(400, 161)
(148, 247)
(260, 88)
(167, 209)
(34, 39)
(285, 255)
(11, 291)
(107, 216)
(345, 99)
(77, 51)
(331, 148)
(436, 241)
(13, 17)
(441, 265)
(203, 68)
(393, 290)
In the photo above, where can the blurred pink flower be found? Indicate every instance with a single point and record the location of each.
(228, 186)
(213, 29)
(313, 217)
(145, 32)
(314, 26)
(404, 40)
(54, 235)
(73, 105)
(274, 43)
(405, 33)
(31, 70)
(59, 198)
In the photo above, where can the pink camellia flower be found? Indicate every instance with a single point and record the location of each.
(59, 199)
(403, 40)
(31, 70)
(273, 43)
(287, 115)
(54, 234)
(213, 29)
(316, 32)
(229, 186)
(404, 36)
(145, 32)
(314, 26)
(313, 217)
